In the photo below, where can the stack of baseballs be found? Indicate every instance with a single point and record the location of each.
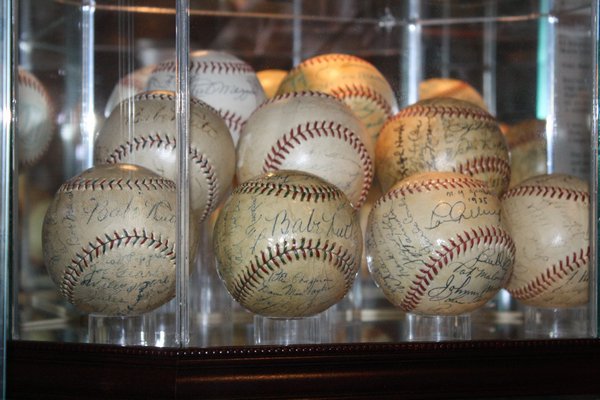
(109, 241)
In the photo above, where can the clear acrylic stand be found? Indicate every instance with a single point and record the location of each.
(124, 331)
(282, 331)
(211, 306)
(556, 323)
(426, 328)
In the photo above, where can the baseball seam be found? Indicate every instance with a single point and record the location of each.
(160, 95)
(463, 242)
(274, 258)
(325, 58)
(364, 92)
(485, 164)
(80, 183)
(419, 110)
(105, 243)
(219, 67)
(551, 275)
(166, 142)
(552, 192)
(318, 129)
(429, 185)
(234, 122)
(293, 95)
(305, 193)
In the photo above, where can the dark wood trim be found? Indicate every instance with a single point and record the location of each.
(474, 369)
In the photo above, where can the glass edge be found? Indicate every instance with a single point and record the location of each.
(595, 225)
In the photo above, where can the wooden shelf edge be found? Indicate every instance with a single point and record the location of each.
(473, 369)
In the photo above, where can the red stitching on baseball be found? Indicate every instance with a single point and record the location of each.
(234, 121)
(164, 95)
(317, 129)
(157, 141)
(419, 110)
(79, 183)
(305, 193)
(429, 185)
(325, 58)
(103, 244)
(552, 274)
(552, 192)
(206, 66)
(463, 242)
(274, 258)
(485, 164)
(361, 91)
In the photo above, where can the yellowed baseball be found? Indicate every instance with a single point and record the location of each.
(109, 240)
(288, 244)
(222, 80)
(528, 150)
(548, 217)
(454, 88)
(442, 134)
(312, 132)
(435, 244)
(35, 118)
(270, 79)
(352, 79)
(148, 138)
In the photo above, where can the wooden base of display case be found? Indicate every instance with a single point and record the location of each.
(457, 370)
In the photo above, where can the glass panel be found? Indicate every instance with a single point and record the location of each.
(347, 74)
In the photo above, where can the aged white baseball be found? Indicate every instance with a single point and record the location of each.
(35, 118)
(109, 240)
(288, 244)
(270, 79)
(312, 132)
(220, 79)
(548, 217)
(353, 80)
(435, 244)
(442, 134)
(528, 150)
(148, 138)
(127, 87)
(454, 88)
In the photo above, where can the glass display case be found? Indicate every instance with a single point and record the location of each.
(260, 198)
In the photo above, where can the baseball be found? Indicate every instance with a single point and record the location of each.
(454, 88)
(35, 118)
(148, 138)
(270, 79)
(435, 244)
(548, 217)
(288, 244)
(109, 240)
(527, 147)
(127, 87)
(221, 80)
(353, 80)
(442, 134)
(311, 132)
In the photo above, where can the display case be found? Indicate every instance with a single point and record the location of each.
(300, 199)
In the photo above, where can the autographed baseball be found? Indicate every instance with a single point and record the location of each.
(527, 146)
(109, 240)
(442, 134)
(288, 244)
(435, 244)
(454, 88)
(349, 78)
(127, 87)
(270, 79)
(148, 138)
(35, 118)
(222, 80)
(312, 132)
(548, 217)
